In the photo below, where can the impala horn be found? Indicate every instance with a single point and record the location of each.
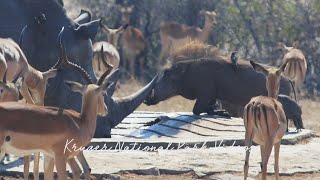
(65, 62)
(108, 65)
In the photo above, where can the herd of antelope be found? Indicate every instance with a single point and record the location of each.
(29, 124)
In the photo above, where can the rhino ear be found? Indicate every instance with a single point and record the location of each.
(88, 30)
(84, 17)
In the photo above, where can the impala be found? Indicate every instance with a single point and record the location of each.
(133, 42)
(12, 61)
(174, 33)
(108, 49)
(265, 120)
(297, 65)
(28, 128)
(9, 91)
(103, 51)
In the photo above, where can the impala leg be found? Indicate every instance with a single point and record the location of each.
(36, 165)
(132, 67)
(266, 155)
(76, 171)
(276, 160)
(25, 93)
(2, 154)
(26, 165)
(48, 168)
(247, 119)
(248, 144)
(141, 66)
(85, 165)
(262, 148)
(61, 166)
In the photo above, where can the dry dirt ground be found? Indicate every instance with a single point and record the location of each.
(186, 176)
(310, 111)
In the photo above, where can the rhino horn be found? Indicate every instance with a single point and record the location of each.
(127, 105)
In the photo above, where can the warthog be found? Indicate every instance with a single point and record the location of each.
(198, 72)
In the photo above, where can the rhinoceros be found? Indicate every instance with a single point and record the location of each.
(199, 73)
(45, 18)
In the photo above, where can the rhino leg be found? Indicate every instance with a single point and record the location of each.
(201, 105)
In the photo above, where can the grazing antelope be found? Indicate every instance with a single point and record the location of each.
(133, 42)
(265, 120)
(297, 65)
(174, 33)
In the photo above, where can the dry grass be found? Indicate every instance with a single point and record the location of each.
(310, 108)
(310, 112)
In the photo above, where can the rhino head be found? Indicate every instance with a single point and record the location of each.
(168, 84)
(44, 20)
(118, 108)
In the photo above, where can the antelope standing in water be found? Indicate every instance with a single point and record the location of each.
(265, 120)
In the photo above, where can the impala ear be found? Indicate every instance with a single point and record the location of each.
(50, 73)
(121, 28)
(282, 46)
(3, 85)
(74, 86)
(295, 44)
(259, 68)
(282, 68)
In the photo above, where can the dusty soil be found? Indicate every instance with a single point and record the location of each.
(186, 176)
